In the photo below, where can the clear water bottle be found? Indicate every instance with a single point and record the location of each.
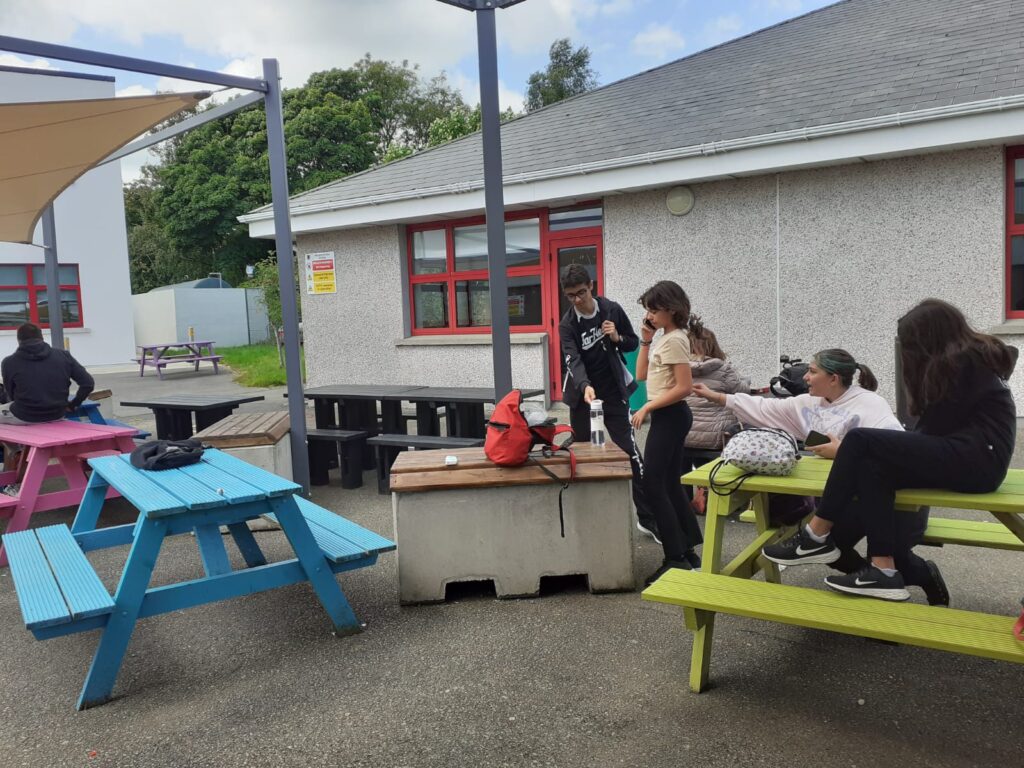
(596, 422)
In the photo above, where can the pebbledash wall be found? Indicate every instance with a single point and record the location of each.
(793, 262)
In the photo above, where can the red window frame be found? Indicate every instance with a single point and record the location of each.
(1012, 230)
(33, 295)
(450, 277)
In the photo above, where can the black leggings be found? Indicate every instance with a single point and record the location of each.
(663, 466)
(872, 464)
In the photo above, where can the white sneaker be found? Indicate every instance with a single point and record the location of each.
(647, 531)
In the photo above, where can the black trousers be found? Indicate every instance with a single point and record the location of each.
(872, 464)
(616, 424)
(663, 466)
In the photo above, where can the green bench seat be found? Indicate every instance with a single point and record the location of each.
(972, 533)
(54, 581)
(945, 629)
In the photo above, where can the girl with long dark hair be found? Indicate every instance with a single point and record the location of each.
(665, 366)
(956, 383)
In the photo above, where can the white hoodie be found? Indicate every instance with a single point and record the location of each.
(798, 415)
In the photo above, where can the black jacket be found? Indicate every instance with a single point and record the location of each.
(37, 380)
(575, 377)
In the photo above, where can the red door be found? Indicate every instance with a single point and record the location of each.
(577, 247)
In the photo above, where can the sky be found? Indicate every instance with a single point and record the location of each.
(624, 36)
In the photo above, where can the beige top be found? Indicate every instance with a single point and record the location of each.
(671, 349)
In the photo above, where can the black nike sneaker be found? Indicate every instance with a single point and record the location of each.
(801, 549)
(870, 582)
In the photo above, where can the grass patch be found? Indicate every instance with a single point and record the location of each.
(257, 365)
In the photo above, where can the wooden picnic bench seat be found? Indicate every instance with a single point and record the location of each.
(705, 593)
(389, 446)
(946, 629)
(341, 447)
(54, 581)
(940, 531)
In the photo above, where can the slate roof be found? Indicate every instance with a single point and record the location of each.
(851, 60)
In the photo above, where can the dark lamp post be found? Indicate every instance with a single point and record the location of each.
(494, 203)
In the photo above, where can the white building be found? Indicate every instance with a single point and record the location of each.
(92, 244)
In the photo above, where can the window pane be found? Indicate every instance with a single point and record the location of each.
(13, 306)
(473, 304)
(13, 274)
(429, 254)
(587, 217)
(70, 311)
(67, 274)
(524, 301)
(1017, 273)
(522, 245)
(430, 302)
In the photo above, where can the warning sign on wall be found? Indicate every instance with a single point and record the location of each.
(320, 276)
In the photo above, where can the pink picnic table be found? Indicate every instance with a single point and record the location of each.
(67, 444)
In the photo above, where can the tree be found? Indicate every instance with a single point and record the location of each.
(460, 122)
(183, 218)
(568, 74)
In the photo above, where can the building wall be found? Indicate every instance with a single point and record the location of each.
(855, 247)
(222, 315)
(858, 245)
(90, 226)
(356, 335)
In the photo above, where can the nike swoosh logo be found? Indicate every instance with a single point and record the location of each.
(801, 551)
(860, 583)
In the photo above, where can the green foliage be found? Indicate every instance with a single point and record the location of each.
(258, 365)
(461, 121)
(265, 277)
(568, 74)
(182, 218)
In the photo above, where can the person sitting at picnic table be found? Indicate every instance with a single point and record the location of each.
(833, 406)
(955, 379)
(36, 379)
(708, 366)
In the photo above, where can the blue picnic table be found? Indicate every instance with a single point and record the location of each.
(89, 411)
(60, 593)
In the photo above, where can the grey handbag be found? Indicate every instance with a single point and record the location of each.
(756, 451)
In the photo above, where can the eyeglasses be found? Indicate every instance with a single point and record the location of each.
(577, 295)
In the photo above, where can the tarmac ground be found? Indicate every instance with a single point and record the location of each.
(566, 679)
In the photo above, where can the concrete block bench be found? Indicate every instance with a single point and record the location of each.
(389, 446)
(259, 438)
(475, 521)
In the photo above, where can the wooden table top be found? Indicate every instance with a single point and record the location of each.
(426, 470)
(63, 432)
(192, 402)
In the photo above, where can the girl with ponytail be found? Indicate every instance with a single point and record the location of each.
(665, 366)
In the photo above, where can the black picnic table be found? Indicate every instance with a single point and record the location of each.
(354, 407)
(174, 412)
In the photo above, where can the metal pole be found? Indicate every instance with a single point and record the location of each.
(494, 200)
(53, 305)
(286, 273)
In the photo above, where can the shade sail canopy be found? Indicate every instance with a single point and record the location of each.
(45, 146)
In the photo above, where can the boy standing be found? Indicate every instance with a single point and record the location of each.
(593, 334)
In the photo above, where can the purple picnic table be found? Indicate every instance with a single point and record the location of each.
(195, 352)
(71, 444)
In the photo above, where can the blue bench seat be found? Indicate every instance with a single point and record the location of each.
(340, 539)
(54, 581)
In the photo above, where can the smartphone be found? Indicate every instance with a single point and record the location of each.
(815, 438)
(649, 324)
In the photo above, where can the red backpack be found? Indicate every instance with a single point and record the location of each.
(510, 439)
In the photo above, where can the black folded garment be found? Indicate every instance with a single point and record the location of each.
(167, 454)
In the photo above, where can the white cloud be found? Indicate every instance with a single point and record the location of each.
(658, 41)
(616, 7)
(134, 90)
(13, 60)
(789, 6)
(722, 28)
(470, 90)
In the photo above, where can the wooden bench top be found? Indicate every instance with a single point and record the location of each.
(426, 470)
(246, 429)
(945, 629)
(810, 474)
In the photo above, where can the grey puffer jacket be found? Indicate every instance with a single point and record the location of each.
(709, 419)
